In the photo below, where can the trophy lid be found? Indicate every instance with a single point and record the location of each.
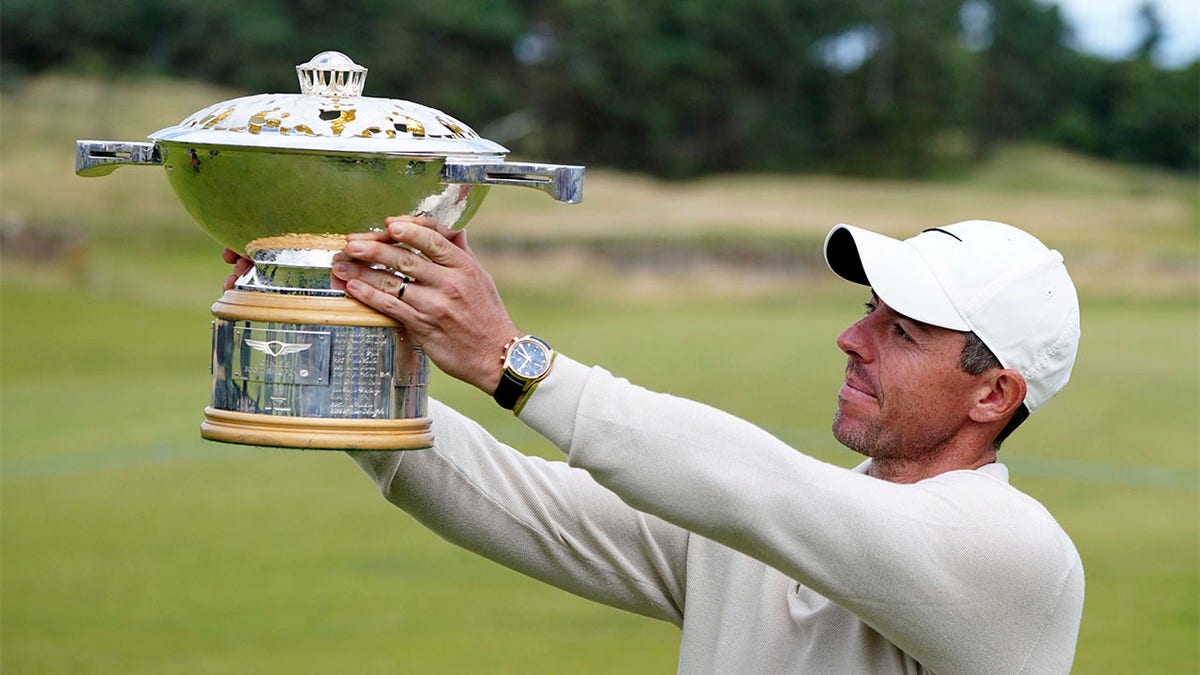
(330, 114)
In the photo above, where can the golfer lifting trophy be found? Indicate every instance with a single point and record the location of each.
(282, 178)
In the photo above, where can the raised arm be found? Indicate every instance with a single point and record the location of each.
(542, 518)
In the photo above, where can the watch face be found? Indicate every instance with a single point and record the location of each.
(529, 359)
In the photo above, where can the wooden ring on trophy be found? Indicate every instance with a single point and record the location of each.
(298, 309)
(316, 433)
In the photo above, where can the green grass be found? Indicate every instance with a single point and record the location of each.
(127, 544)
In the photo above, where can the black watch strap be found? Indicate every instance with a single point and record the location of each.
(509, 391)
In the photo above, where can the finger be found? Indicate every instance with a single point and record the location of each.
(397, 258)
(423, 221)
(370, 235)
(230, 256)
(337, 283)
(384, 280)
(381, 301)
(428, 241)
(459, 239)
(242, 266)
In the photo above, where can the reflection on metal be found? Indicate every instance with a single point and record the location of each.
(563, 183)
(325, 161)
(330, 106)
(100, 158)
(306, 370)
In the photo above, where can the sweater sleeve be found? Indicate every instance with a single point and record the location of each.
(961, 571)
(542, 518)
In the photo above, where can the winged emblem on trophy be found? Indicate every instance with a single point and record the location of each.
(276, 347)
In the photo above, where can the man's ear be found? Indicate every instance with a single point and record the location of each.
(1000, 392)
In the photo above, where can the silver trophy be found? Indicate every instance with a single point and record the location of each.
(282, 178)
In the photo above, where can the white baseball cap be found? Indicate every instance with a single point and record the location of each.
(981, 276)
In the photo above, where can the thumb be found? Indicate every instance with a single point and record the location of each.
(459, 239)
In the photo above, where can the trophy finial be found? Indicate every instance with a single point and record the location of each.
(331, 74)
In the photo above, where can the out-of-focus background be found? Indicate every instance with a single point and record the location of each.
(722, 140)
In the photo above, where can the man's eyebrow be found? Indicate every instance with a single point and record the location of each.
(919, 325)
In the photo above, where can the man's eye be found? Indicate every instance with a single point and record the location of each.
(869, 307)
(900, 332)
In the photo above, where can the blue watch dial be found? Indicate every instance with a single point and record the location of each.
(529, 358)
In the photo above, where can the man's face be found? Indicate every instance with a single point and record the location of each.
(905, 396)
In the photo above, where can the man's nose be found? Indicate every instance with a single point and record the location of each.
(852, 341)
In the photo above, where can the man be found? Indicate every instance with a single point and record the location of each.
(923, 559)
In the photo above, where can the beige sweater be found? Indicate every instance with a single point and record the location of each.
(769, 561)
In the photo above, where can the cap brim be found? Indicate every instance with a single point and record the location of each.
(895, 271)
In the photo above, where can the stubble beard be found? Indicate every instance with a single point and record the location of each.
(871, 438)
(864, 439)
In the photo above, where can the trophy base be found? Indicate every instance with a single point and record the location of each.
(308, 433)
(314, 373)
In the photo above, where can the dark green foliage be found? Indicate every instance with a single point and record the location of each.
(666, 87)
(1134, 112)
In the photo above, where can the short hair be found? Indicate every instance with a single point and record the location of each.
(976, 358)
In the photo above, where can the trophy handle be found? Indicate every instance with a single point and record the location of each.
(563, 183)
(100, 158)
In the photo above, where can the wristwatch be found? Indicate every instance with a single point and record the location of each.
(527, 361)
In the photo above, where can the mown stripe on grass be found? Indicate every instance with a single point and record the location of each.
(1097, 472)
(114, 458)
(61, 465)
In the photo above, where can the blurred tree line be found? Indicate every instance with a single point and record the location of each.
(671, 87)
